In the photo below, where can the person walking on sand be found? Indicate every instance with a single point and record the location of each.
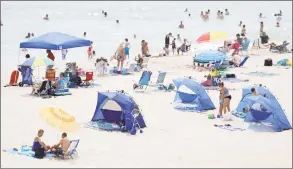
(145, 49)
(261, 28)
(225, 98)
(120, 56)
(167, 40)
(90, 51)
(126, 48)
(243, 31)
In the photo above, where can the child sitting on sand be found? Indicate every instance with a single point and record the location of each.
(208, 82)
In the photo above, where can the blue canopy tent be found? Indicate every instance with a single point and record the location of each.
(118, 107)
(269, 112)
(194, 98)
(211, 56)
(55, 41)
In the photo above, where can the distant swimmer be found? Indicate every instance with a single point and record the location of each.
(221, 15)
(181, 26)
(208, 12)
(201, 14)
(84, 34)
(227, 12)
(46, 17)
(186, 10)
(189, 15)
(218, 14)
(28, 36)
(134, 36)
(240, 24)
(278, 25)
(117, 21)
(33, 34)
(206, 16)
(105, 14)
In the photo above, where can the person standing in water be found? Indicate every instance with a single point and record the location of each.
(120, 56)
(181, 26)
(243, 31)
(84, 34)
(46, 17)
(261, 28)
(227, 12)
(126, 48)
(240, 24)
(186, 10)
(167, 40)
(89, 51)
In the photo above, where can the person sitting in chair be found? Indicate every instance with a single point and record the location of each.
(273, 44)
(62, 146)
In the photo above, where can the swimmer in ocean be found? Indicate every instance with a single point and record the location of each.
(208, 12)
(84, 34)
(33, 34)
(221, 15)
(278, 25)
(105, 14)
(240, 24)
(46, 17)
(189, 15)
(218, 14)
(117, 21)
(227, 12)
(181, 25)
(134, 36)
(28, 36)
(201, 14)
(186, 10)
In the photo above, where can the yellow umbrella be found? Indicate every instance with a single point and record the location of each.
(59, 119)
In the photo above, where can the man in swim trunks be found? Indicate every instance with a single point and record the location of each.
(167, 40)
(62, 146)
(126, 48)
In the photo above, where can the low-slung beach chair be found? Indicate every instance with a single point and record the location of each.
(71, 150)
(144, 80)
(89, 79)
(243, 61)
(281, 48)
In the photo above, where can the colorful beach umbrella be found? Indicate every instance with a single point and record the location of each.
(38, 61)
(212, 36)
(59, 119)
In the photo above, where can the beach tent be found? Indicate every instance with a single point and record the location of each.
(210, 56)
(191, 96)
(271, 113)
(55, 41)
(118, 107)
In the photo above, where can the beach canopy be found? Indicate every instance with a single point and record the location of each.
(210, 56)
(118, 107)
(59, 119)
(191, 96)
(212, 36)
(263, 108)
(55, 41)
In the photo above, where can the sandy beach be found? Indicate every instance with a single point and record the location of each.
(172, 138)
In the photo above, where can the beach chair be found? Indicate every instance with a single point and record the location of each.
(216, 65)
(244, 47)
(144, 80)
(243, 61)
(71, 150)
(281, 48)
(43, 89)
(88, 79)
(145, 62)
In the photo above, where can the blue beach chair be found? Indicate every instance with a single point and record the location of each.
(243, 61)
(72, 149)
(144, 80)
(244, 47)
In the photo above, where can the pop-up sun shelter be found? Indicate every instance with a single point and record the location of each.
(270, 112)
(119, 107)
(191, 96)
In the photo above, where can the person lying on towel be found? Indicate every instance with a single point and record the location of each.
(62, 146)
(208, 82)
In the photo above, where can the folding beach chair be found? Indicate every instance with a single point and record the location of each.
(243, 61)
(244, 47)
(281, 48)
(88, 79)
(144, 80)
(71, 151)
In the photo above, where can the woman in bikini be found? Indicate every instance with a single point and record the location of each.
(120, 56)
(225, 98)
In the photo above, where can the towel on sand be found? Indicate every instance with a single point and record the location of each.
(228, 127)
(27, 151)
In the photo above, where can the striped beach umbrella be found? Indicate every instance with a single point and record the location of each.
(212, 36)
(38, 61)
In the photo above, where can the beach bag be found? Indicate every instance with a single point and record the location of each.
(40, 153)
(282, 62)
(230, 76)
(268, 62)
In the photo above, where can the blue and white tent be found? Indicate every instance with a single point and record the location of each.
(55, 41)
(264, 108)
(191, 96)
(118, 107)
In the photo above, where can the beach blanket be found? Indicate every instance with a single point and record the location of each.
(261, 74)
(187, 107)
(239, 114)
(234, 80)
(27, 151)
(103, 125)
(228, 127)
(215, 88)
(115, 72)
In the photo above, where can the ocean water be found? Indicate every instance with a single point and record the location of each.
(150, 21)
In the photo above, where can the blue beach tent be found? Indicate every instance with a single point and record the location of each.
(55, 41)
(115, 106)
(191, 96)
(270, 112)
(210, 56)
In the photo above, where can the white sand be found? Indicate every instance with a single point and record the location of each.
(172, 139)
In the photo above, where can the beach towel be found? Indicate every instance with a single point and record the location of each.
(103, 125)
(239, 114)
(27, 151)
(260, 74)
(234, 80)
(114, 71)
(228, 127)
(187, 107)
